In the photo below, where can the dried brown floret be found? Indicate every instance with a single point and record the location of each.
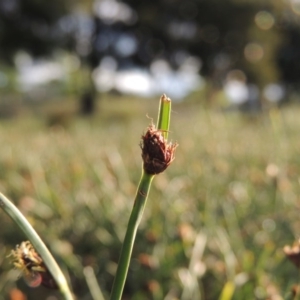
(293, 253)
(157, 153)
(35, 273)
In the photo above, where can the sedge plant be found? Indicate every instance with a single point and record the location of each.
(35, 260)
(157, 155)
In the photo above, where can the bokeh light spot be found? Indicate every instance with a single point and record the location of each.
(253, 52)
(295, 4)
(264, 20)
(274, 92)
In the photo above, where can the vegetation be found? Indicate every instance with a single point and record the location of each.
(259, 38)
(216, 221)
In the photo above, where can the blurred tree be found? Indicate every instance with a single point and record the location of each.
(31, 25)
(288, 56)
(216, 31)
(39, 28)
(228, 34)
(225, 35)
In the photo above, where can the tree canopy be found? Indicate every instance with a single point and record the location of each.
(30, 25)
(259, 37)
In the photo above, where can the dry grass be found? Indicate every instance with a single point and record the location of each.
(220, 214)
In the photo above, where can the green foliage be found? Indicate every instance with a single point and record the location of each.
(32, 26)
(216, 220)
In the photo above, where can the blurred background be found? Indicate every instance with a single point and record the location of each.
(87, 48)
(79, 81)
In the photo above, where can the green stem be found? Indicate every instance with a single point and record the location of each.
(163, 124)
(92, 283)
(164, 115)
(134, 220)
(38, 244)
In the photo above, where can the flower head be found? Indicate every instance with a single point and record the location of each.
(157, 153)
(35, 273)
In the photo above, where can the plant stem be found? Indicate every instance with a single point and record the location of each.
(38, 244)
(92, 283)
(163, 123)
(164, 115)
(134, 220)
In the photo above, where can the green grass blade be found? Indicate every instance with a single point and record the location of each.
(92, 283)
(228, 290)
(38, 244)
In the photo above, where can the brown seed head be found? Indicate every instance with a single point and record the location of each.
(157, 153)
(295, 289)
(26, 259)
(293, 253)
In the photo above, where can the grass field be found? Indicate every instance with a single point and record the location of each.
(216, 220)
